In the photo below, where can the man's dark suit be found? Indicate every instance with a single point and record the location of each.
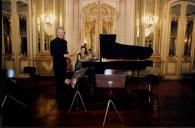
(58, 48)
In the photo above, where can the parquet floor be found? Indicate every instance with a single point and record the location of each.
(176, 106)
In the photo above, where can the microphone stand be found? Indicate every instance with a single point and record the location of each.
(110, 83)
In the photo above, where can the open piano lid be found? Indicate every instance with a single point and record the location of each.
(109, 49)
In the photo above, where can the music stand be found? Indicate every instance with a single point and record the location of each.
(113, 81)
(77, 75)
(9, 74)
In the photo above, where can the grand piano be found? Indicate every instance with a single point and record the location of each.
(119, 56)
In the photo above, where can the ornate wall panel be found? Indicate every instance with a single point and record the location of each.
(44, 65)
(171, 68)
(98, 17)
(178, 32)
(186, 68)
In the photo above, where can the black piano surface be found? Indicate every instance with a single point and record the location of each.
(133, 65)
(110, 49)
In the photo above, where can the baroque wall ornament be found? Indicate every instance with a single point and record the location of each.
(98, 17)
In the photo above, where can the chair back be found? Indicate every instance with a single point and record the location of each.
(152, 79)
(30, 70)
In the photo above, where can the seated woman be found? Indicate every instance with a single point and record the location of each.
(82, 56)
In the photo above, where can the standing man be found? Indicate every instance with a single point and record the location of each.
(59, 51)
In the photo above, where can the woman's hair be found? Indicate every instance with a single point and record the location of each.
(85, 49)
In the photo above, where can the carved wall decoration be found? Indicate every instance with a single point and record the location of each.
(22, 64)
(98, 17)
(9, 64)
(44, 68)
(47, 66)
(43, 64)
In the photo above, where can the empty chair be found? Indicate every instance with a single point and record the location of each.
(146, 97)
(151, 81)
(30, 70)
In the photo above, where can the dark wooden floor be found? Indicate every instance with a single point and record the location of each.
(176, 106)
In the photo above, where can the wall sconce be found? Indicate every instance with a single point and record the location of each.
(48, 21)
(49, 24)
(149, 23)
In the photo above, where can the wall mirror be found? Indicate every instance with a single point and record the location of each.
(45, 23)
(174, 19)
(6, 27)
(47, 16)
(22, 11)
(190, 18)
(149, 22)
(49, 22)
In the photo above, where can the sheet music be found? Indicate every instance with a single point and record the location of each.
(78, 74)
